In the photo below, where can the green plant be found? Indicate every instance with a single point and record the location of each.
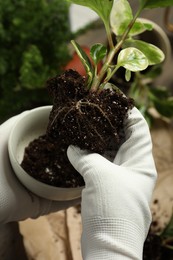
(131, 54)
(33, 47)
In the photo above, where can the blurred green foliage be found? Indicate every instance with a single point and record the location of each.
(33, 47)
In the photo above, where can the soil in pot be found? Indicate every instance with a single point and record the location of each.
(89, 120)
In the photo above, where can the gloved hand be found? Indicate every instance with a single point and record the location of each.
(16, 203)
(116, 199)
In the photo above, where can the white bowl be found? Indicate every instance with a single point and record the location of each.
(31, 125)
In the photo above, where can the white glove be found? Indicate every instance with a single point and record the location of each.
(115, 201)
(16, 203)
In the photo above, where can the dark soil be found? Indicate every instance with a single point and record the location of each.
(152, 247)
(48, 162)
(155, 249)
(89, 120)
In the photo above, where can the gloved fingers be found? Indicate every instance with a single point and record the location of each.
(50, 206)
(85, 162)
(136, 151)
(77, 158)
(31, 206)
(94, 166)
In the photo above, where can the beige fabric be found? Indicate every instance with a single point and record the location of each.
(53, 237)
(162, 206)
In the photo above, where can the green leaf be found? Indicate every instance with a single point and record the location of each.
(98, 52)
(153, 53)
(139, 27)
(128, 75)
(120, 17)
(164, 107)
(32, 63)
(85, 61)
(155, 3)
(101, 7)
(132, 59)
(111, 86)
(119, 22)
(154, 71)
(148, 26)
(158, 97)
(108, 74)
(160, 92)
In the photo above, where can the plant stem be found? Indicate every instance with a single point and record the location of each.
(109, 36)
(113, 51)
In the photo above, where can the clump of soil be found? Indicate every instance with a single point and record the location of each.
(89, 120)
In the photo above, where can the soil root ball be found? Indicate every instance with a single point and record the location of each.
(89, 120)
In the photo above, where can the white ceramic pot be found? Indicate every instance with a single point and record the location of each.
(29, 127)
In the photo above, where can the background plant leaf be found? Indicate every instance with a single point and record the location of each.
(154, 71)
(164, 107)
(160, 92)
(155, 3)
(101, 7)
(32, 65)
(33, 44)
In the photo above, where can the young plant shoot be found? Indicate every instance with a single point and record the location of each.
(123, 29)
(120, 23)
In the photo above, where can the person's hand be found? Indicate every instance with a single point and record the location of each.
(116, 199)
(16, 202)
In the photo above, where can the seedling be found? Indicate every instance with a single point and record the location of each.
(122, 29)
(119, 21)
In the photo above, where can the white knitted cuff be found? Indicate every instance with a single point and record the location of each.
(112, 239)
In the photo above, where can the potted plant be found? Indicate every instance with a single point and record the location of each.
(87, 111)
